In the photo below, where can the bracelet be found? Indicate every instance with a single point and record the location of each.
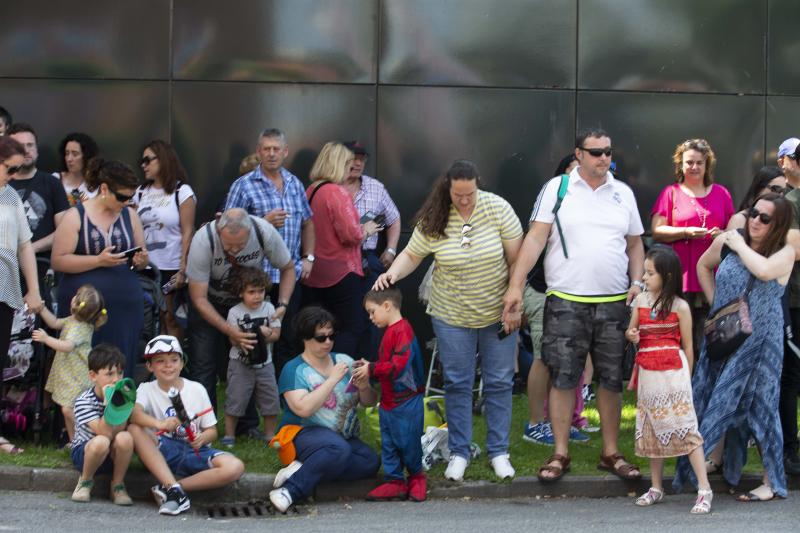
(391, 251)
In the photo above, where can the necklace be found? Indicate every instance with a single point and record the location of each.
(700, 206)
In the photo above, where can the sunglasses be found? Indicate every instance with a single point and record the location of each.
(146, 160)
(123, 198)
(597, 152)
(324, 338)
(777, 189)
(466, 241)
(763, 217)
(12, 170)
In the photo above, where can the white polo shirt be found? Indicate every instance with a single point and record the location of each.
(595, 224)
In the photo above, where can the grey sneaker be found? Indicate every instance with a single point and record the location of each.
(83, 491)
(176, 503)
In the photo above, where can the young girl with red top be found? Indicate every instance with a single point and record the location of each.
(666, 423)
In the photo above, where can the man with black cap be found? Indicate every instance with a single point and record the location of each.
(788, 156)
(373, 203)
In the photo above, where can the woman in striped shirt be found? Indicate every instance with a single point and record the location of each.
(474, 237)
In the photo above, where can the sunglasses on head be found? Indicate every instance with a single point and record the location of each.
(323, 338)
(124, 198)
(763, 217)
(466, 241)
(12, 170)
(597, 152)
(146, 160)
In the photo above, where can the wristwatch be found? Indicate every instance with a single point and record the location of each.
(281, 304)
(391, 251)
(309, 257)
(639, 284)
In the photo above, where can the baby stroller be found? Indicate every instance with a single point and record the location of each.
(24, 375)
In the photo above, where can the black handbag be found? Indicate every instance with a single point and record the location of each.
(728, 327)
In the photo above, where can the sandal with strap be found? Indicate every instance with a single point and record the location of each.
(703, 503)
(625, 471)
(651, 497)
(7, 447)
(557, 471)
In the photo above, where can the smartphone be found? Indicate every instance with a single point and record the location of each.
(501, 333)
(130, 253)
(366, 217)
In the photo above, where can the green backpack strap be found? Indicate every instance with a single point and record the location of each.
(562, 192)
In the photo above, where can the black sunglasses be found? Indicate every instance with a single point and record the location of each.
(763, 217)
(12, 170)
(323, 338)
(597, 152)
(122, 197)
(146, 160)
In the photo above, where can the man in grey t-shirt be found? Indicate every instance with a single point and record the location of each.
(217, 250)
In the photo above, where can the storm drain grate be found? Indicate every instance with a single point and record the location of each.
(247, 510)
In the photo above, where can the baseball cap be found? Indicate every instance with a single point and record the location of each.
(120, 401)
(788, 147)
(162, 344)
(356, 147)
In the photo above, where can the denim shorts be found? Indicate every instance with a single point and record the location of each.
(182, 459)
(106, 467)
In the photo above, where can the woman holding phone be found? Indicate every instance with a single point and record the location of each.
(100, 242)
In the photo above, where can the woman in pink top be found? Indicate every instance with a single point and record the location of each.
(689, 214)
(336, 278)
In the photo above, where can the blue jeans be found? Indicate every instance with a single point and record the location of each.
(457, 350)
(327, 456)
(401, 438)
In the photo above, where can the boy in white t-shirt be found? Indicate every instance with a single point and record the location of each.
(252, 372)
(187, 425)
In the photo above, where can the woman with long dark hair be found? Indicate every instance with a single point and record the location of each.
(474, 237)
(737, 397)
(166, 205)
(766, 180)
(76, 151)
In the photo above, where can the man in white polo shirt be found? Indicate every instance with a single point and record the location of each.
(593, 252)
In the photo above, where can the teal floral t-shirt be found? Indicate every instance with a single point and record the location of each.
(339, 410)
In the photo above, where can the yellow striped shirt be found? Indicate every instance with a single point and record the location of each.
(469, 282)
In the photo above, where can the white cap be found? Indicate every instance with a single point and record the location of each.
(788, 147)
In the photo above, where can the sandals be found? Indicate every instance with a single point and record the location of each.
(558, 472)
(7, 447)
(651, 497)
(703, 503)
(757, 495)
(625, 471)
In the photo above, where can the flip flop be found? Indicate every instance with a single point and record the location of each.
(9, 448)
(752, 496)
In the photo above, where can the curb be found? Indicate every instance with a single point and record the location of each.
(254, 487)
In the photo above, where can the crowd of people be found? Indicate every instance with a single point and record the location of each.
(290, 297)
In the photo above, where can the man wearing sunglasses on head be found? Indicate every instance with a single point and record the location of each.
(43, 198)
(789, 161)
(590, 223)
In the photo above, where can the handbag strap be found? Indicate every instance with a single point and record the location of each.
(749, 286)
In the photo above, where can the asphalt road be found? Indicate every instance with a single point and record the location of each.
(36, 511)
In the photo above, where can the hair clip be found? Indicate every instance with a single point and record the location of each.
(81, 305)
(103, 311)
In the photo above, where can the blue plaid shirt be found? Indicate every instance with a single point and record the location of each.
(255, 193)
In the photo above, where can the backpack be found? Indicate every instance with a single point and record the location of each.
(562, 192)
(259, 236)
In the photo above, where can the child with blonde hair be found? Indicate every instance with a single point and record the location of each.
(69, 375)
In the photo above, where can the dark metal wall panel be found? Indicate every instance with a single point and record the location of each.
(784, 47)
(216, 124)
(276, 40)
(674, 45)
(514, 43)
(120, 115)
(515, 137)
(85, 39)
(783, 121)
(646, 128)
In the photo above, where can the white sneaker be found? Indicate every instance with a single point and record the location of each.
(285, 473)
(502, 467)
(281, 499)
(455, 469)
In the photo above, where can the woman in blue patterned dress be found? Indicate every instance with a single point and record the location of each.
(88, 248)
(737, 398)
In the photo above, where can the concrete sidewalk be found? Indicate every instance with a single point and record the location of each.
(254, 487)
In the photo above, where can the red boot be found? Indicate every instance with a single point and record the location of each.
(417, 487)
(391, 490)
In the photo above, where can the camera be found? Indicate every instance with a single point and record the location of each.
(259, 354)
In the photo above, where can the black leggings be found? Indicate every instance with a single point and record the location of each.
(6, 321)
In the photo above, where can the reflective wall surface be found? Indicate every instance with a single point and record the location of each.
(421, 82)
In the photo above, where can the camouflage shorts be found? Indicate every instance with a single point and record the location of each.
(572, 330)
(533, 306)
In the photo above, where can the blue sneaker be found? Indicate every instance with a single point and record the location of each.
(575, 435)
(540, 433)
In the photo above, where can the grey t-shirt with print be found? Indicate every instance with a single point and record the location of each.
(217, 270)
